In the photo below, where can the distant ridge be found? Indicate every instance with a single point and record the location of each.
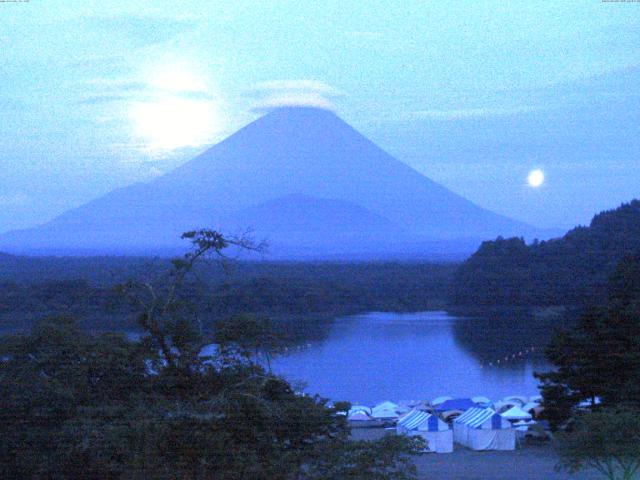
(299, 168)
(572, 270)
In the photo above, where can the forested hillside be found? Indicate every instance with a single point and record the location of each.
(572, 270)
(84, 288)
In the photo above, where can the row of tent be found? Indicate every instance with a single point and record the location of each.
(476, 425)
(382, 411)
(477, 428)
(448, 409)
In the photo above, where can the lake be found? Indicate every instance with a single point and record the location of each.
(376, 356)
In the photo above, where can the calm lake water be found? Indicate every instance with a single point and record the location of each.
(388, 356)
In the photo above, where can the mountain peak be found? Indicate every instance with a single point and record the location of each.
(300, 110)
(299, 118)
(303, 151)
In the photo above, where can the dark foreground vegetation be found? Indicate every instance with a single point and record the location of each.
(592, 397)
(114, 409)
(75, 405)
(572, 270)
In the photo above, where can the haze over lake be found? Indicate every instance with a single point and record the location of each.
(376, 356)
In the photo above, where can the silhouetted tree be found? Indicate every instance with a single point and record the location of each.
(74, 405)
(600, 357)
(607, 440)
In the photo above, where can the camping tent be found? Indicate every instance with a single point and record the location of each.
(516, 413)
(484, 429)
(358, 408)
(535, 409)
(359, 413)
(439, 400)
(481, 400)
(503, 405)
(516, 398)
(456, 404)
(450, 415)
(436, 433)
(358, 416)
(385, 410)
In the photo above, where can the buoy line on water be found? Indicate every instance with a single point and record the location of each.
(515, 356)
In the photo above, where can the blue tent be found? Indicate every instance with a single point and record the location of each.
(456, 404)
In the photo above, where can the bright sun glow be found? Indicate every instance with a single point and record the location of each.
(173, 117)
(167, 124)
(175, 80)
(535, 178)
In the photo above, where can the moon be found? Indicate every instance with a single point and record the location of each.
(535, 178)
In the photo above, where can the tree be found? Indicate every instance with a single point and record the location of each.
(160, 302)
(580, 375)
(598, 361)
(571, 270)
(53, 377)
(342, 406)
(386, 459)
(247, 337)
(74, 405)
(607, 440)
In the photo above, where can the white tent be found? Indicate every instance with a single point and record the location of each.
(359, 408)
(385, 410)
(530, 406)
(481, 400)
(484, 429)
(435, 432)
(439, 400)
(516, 398)
(358, 416)
(516, 413)
(524, 423)
(589, 403)
(503, 405)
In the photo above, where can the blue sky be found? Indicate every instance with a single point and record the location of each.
(97, 95)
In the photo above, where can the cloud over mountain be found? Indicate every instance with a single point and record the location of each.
(294, 93)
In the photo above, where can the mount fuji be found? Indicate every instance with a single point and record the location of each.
(300, 178)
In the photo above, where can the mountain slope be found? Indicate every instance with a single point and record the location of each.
(300, 219)
(290, 151)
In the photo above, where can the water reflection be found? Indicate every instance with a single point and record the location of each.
(504, 335)
(376, 356)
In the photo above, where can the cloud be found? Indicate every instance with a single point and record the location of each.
(469, 113)
(310, 85)
(139, 31)
(295, 100)
(293, 93)
(115, 84)
(102, 90)
(107, 90)
(109, 64)
(101, 98)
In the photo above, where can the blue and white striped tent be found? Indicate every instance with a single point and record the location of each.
(477, 417)
(435, 432)
(484, 429)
